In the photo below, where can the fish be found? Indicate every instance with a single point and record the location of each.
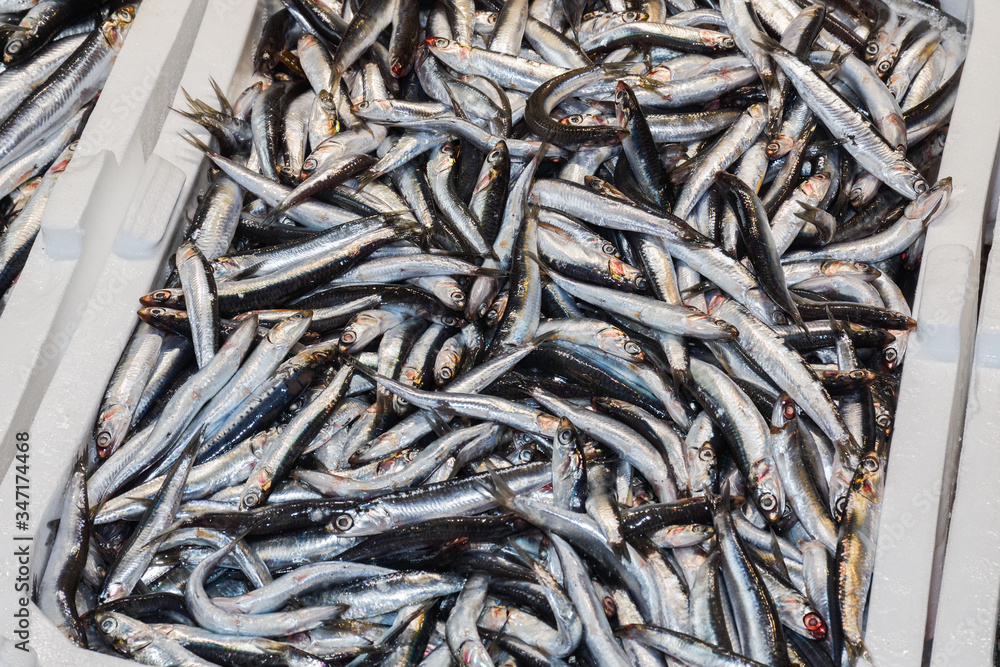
(537, 333)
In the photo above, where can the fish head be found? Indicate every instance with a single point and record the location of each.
(625, 102)
(767, 491)
(930, 202)
(166, 297)
(447, 363)
(114, 426)
(361, 521)
(448, 51)
(717, 41)
(117, 26)
(375, 110)
(784, 412)
(12, 51)
(162, 317)
(779, 146)
(122, 632)
(442, 159)
(496, 309)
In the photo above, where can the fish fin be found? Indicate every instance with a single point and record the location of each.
(836, 62)
(399, 624)
(779, 559)
(490, 273)
(541, 338)
(367, 178)
(440, 426)
(359, 367)
(497, 487)
(856, 650)
(198, 143)
(528, 559)
(274, 215)
(537, 260)
(696, 289)
(459, 111)
(768, 43)
(224, 105)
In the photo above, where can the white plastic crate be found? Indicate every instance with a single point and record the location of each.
(130, 197)
(933, 391)
(86, 207)
(965, 629)
(920, 482)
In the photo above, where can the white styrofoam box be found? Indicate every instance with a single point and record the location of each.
(966, 624)
(933, 388)
(139, 190)
(920, 482)
(87, 206)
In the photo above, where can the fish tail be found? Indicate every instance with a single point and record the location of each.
(856, 650)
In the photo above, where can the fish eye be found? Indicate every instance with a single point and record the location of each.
(631, 347)
(162, 295)
(157, 312)
(858, 374)
(610, 606)
(706, 454)
(640, 282)
(494, 154)
(920, 187)
(869, 464)
(446, 372)
(883, 421)
(890, 355)
(728, 43)
(630, 16)
(789, 410)
(103, 439)
(767, 502)
(840, 505)
(883, 67)
(457, 296)
(14, 46)
(348, 337)
(441, 42)
(815, 625)
(525, 455)
(343, 522)
(871, 49)
(364, 105)
(450, 321)
(565, 436)
(109, 624)
(124, 15)
(447, 149)
(250, 499)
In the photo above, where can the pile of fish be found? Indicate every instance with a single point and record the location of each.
(57, 55)
(525, 333)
